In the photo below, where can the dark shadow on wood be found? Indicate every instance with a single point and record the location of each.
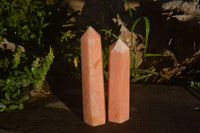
(69, 91)
(45, 115)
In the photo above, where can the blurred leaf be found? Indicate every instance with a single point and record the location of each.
(24, 98)
(7, 95)
(19, 50)
(24, 83)
(155, 55)
(21, 106)
(192, 84)
(2, 83)
(147, 26)
(34, 70)
(2, 107)
(7, 81)
(12, 107)
(26, 69)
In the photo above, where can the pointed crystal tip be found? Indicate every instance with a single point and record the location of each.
(91, 33)
(120, 46)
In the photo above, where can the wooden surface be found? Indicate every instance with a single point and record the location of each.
(154, 109)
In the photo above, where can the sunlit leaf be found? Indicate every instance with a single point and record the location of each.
(25, 97)
(24, 83)
(7, 95)
(21, 106)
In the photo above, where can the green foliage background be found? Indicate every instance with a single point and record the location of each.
(22, 22)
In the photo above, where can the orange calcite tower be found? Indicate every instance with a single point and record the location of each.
(92, 78)
(118, 82)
